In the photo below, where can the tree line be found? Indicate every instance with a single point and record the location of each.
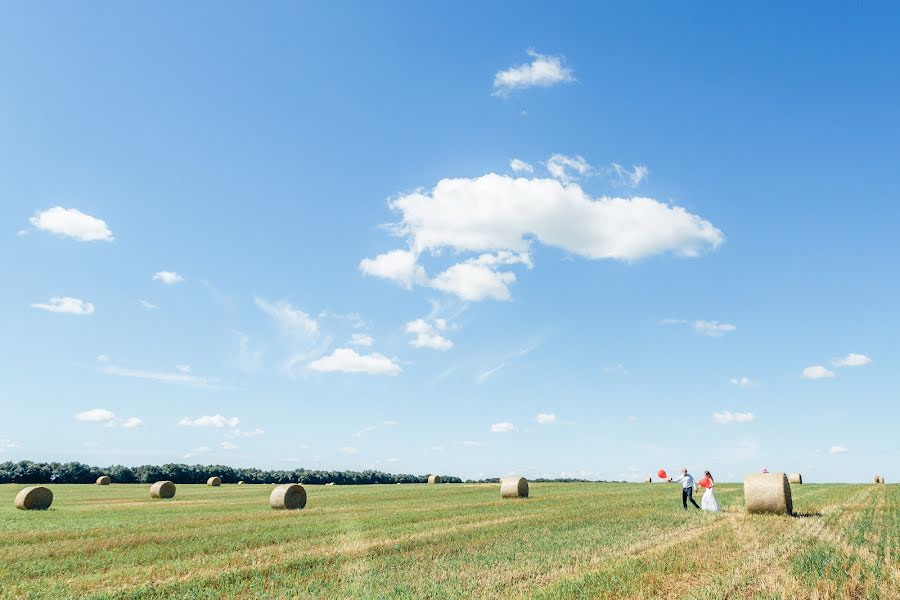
(27, 471)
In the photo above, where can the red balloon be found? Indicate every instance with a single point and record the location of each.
(705, 482)
(662, 474)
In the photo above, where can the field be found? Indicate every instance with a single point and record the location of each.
(449, 541)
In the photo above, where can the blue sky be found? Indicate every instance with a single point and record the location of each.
(296, 236)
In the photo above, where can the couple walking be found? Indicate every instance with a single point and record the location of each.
(688, 484)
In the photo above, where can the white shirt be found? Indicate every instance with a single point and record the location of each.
(687, 481)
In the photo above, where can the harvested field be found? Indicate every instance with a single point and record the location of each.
(415, 541)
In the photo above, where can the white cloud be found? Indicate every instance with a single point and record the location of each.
(7, 445)
(72, 223)
(852, 360)
(503, 427)
(632, 178)
(520, 166)
(568, 168)
(499, 217)
(168, 277)
(216, 420)
(132, 423)
(361, 340)
(97, 415)
(148, 305)
(164, 377)
(427, 334)
(347, 360)
(226, 445)
(618, 369)
(838, 450)
(397, 265)
(292, 320)
(713, 328)
(66, 305)
(349, 450)
(102, 358)
(183, 368)
(393, 459)
(472, 444)
(237, 433)
(364, 431)
(196, 451)
(726, 417)
(389, 423)
(543, 71)
(744, 382)
(545, 418)
(817, 372)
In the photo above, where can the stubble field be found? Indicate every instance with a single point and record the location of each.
(449, 541)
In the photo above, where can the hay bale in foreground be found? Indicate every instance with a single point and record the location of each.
(768, 493)
(162, 489)
(648, 480)
(240, 483)
(34, 497)
(434, 479)
(879, 479)
(795, 478)
(104, 480)
(513, 487)
(214, 481)
(290, 496)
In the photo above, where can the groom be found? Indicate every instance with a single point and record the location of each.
(687, 487)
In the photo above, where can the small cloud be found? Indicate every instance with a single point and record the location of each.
(520, 166)
(148, 305)
(197, 451)
(183, 368)
(349, 450)
(393, 459)
(66, 305)
(568, 168)
(364, 431)
(72, 223)
(672, 322)
(226, 445)
(614, 370)
(437, 448)
(744, 382)
(168, 277)
(817, 372)
(544, 70)
(97, 415)
(22, 233)
(726, 417)
(838, 450)
(473, 444)
(503, 427)
(8, 445)
(132, 423)
(291, 320)
(389, 423)
(102, 358)
(347, 360)
(713, 328)
(427, 334)
(852, 360)
(361, 340)
(632, 178)
(237, 433)
(216, 420)
(545, 418)
(632, 419)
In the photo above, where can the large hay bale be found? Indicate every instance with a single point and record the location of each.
(434, 479)
(214, 481)
(513, 487)
(34, 497)
(648, 480)
(768, 493)
(104, 480)
(879, 479)
(290, 496)
(240, 483)
(795, 478)
(162, 489)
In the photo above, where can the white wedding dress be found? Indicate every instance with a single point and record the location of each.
(708, 502)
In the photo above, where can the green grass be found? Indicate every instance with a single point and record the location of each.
(448, 541)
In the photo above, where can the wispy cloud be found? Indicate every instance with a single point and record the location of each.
(545, 418)
(744, 382)
(165, 377)
(544, 70)
(66, 305)
(838, 450)
(726, 417)
(503, 427)
(216, 420)
(148, 305)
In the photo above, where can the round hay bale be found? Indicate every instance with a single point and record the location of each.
(240, 483)
(290, 496)
(34, 497)
(434, 479)
(768, 493)
(795, 478)
(162, 489)
(329, 483)
(214, 481)
(104, 480)
(879, 479)
(648, 480)
(514, 487)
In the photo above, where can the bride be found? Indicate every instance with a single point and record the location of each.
(708, 502)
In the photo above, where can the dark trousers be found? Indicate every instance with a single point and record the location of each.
(688, 494)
